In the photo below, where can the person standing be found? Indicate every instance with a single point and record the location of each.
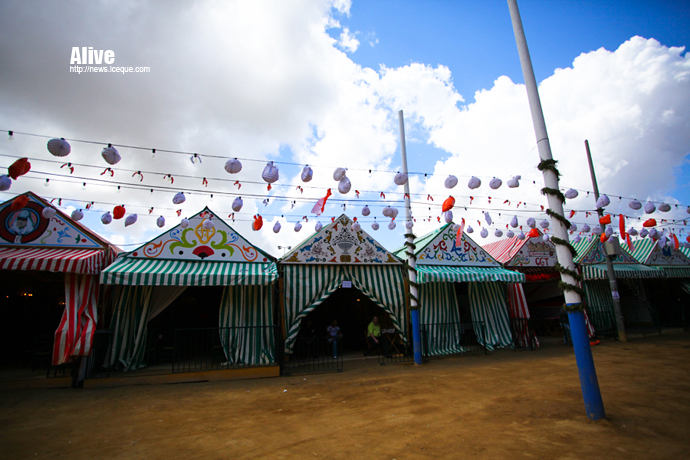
(334, 336)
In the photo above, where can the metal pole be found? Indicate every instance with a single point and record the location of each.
(414, 305)
(583, 353)
(620, 321)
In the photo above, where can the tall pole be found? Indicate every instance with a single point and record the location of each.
(410, 249)
(594, 405)
(620, 321)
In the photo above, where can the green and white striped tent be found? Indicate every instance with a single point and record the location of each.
(440, 263)
(154, 275)
(318, 266)
(673, 262)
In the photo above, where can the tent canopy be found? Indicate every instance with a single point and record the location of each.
(527, 253)
(453, 274)
(591, 251)
(598, 271)
(649, 252)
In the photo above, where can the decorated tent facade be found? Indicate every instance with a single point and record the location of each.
(207, 252)
(335, 254)
(441, 263)
(35, 239)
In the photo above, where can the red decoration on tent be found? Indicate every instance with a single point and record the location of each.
(621, 225)
(676, 244)
(69, 166)
(321, 204)
(169, 176)
(458, 235)
(383, 195)
(332, 219)
(688, 239)
(108, 170)
(649, 223)
(603, 237)
(239, 186)
(448, 204)
(605, 219)
(258, 223)
(572, 213)
(119, 212)
(471, 198)
(19, 202)
(533, 233)
(429, 197)
(204, 182)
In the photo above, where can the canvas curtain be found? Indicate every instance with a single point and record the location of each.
(74, 335)
(519, 310)
(440, 318)
(246, 320)
(599, 304)
(488, 304)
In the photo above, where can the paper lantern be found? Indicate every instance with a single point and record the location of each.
(375, 225)
(544, 224)
(77, 215)
(571, 194)
(237, 204)
(208, 224)
(119, 212)
(603, 238)
(448, 216)
(19, 168)
(514, 182)
(474, 183)
(649, 207)
(387, 211)
(400, 178)
(644, 232)
(318, 226)
(547, 237)
(409, 225)
(487, 218)
(307, 174)
(393, 213)
(603, 201)
(577, 239)
(451, 181)
(514, 222)
(662, 241)
(106, 218)
(495, 183)
(586, 228)
(636, 205)
(448, 204)
(597, 229)
(391, 225)
(344, 185)
(484, 233)
(531, 222)
(469, 229)
(59, 147)
(605, 220)
(258, 223)
(653, 233)
(573, 227)
(521, 236)
(233, 166)
(664, 207)
(356, 227)
(632, 231)
(271, 173)
(649, 223)
(276, 227)
(298, 226)
(48, 212)
(366, 211)
(498, 233)
(184, 223)
(5, 183)
(130, 220)
(19, 202)
(510, 234)
(339, 174)
(160, 222)
(608, 232)
(179, 198)
(533, 233)
(111, 155)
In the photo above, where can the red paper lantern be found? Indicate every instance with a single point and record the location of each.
(649, 223)
(19, 168)
(533, 233)
(258, 223)
(448, 204)
(119, 212)
(19, 202)
(603, 238)
(605, 219)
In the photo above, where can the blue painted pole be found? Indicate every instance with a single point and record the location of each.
(585, 366)
(416, 336)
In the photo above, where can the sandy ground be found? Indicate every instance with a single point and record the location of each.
(504, 406)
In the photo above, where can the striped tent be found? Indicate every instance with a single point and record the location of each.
(195, 256)
(518, 309)
(442, 332)
(674, 263)
(488, 305)
(451, 274)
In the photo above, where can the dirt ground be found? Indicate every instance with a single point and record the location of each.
(503, 406)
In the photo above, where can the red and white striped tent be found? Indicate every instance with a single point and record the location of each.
(29, 242)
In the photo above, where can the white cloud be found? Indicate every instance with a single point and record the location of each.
(347, 41)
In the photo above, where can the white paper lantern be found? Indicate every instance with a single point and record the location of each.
(179, 198)
(448, 216)
(375, 225)
(474, 183)
(307, 174)
(77, 215)
(577, 239)
(487, 218)
(339, 174)
(237, 204)
(514, 222)
(573, 227)
(5, 183)
(160, 222)
(597, 230)
(544, 224)
(451, 181)
(344, 185)
(653, 233)
(632, 231)
(271, 173)
(484, 233)
(410, 224)
(184, 223)
(531, 222)
(366, 211)
(664, 207)
(387, 211)
(469, 229)
(356, 227)
(298, 226)
(498, 233)
(649, 207)
(662, 241)
(110, 155)
(514, 182)
(59, 147)
(510, 234)
(400, 178)
(644, 232)
(48, 212)
(318, 226)
(603, 201)
(546, 237)
(636, 205)
(391, 225)
(393, 213)
(586, 228)
(495, 183)
(608, 232)
(130, 220)
(233, 166)
(276, 227)
(571, 194)
(521, 236)
(106, 218)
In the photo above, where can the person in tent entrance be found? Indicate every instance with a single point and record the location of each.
(334, 337)
(374, 339)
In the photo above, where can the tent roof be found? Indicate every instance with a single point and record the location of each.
(647, 251)
(530, 252)
(591, 251)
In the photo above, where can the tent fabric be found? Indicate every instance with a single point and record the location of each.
(459, 274)
(676, 272)
(163, 296)
(307, 286)
(144, 272)
(505, 249)
(81, 261)
(246, 320)
(129, 328)
(599, 304)
(439, 316)
(598, 271)
(488, 304)
(685, 285)
(74, 335)
(517, 302)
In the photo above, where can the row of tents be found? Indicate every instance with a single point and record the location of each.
(63, 279)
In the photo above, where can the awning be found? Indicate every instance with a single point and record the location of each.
(454, 274)
(598, 271)
(82, 261)
(144, 272)
(676, 272)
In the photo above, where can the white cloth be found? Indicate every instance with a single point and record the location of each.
(333, 331)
